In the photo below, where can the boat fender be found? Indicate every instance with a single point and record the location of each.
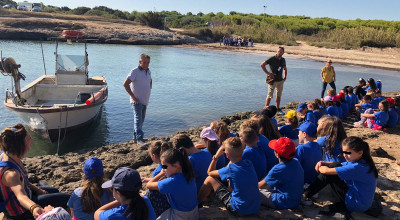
(96, 96)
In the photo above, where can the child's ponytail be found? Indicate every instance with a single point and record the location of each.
(294, 122)
(357, 144)
(137, 208)
(212, 146)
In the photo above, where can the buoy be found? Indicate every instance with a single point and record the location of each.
(95, 96)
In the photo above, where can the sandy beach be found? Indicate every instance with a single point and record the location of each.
(385, 58)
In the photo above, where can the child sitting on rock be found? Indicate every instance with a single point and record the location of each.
(85, 200)
(210, 141)
(158, 200)
(331, 133)
(178, 183)
(199, 159)
(352, 182)
(290, 130)
(305, 114)
(379, 119)
(393, 117)
(308, 153)
(128, 204)
(331, 109)
(244, 198)
(283, 186)
(254, 153)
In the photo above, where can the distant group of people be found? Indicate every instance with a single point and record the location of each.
(236, 41)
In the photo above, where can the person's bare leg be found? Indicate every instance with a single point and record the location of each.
(210, 184)
(278, 102)
(267, 101)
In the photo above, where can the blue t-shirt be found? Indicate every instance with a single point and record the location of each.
(157, 171)
(181, 195)
(309, 117)
(220, 162)
(256, 155)
(317, 115)
(393, 118)
(354, 100)
(200, 162)
(361, 185)
(337, 150)
(288, 179)
(269, 153)
(398, 113)
(323, 110)
(309, 155)
(332, 111)
(117, 213)
(246, 198)
(339, 110)
(378, 85)
(232, 134)
(349, 101)
(366, 106)
(345, 110)
(374, 103)
(288, 132)
(381, 118)
(74, 202)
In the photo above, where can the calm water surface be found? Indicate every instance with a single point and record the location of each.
(191, 87)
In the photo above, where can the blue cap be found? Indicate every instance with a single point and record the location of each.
(301, 106)
(93, 167)
(309, 128)
(125, 179)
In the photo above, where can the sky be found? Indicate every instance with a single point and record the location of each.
(340, 9)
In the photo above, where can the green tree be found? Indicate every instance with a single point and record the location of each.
(151, 19)
(80, 10)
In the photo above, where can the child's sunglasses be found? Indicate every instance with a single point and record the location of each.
(164, 166)
(347, 152)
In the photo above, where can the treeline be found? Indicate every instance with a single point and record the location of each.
(264, 28)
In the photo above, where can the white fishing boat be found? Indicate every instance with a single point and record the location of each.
(52, 105)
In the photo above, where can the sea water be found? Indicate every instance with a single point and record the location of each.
(191, 87)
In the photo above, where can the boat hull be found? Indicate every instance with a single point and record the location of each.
(49, 122)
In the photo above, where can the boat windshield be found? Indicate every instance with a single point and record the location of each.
(74, 63)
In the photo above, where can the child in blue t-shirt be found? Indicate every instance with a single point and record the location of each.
(84, 201)
(377, 120)
(199, 159)
(343, 105)
(316, 110)
(290, 130)
(397, 106)
(128, 203)
(361, 108)
(283, 186)
(262, 140)
(308, 153)
(331, 108)
(210, 141)
(352, 182)
(178, 183)
(351, 98)
(393, 116)
(245, 197)
(331, 133)
(305, 114)
(254, 153)
(158, 200)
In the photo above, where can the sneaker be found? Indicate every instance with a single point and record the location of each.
(141, 142)
(359, 125)
(280, 111)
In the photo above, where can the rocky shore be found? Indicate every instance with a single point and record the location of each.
(22, 25)
(65, 171)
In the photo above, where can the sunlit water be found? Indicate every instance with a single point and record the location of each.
(191, 87)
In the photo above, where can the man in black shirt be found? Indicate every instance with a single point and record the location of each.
(277, 66)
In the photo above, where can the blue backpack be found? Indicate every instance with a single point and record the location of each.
(3, 204)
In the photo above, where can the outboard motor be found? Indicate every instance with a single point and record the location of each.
(9, 67)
